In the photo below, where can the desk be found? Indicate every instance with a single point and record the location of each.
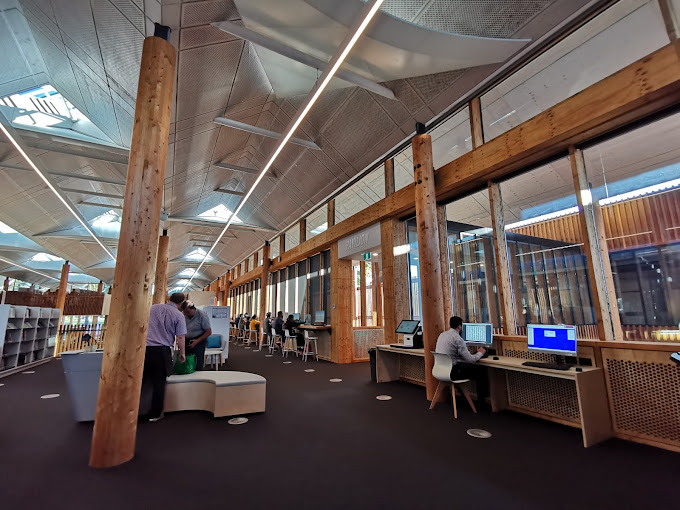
(323, 334)
(577, 399)
(395, 364)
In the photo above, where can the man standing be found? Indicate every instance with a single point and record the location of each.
(198, 329)
(166, 323)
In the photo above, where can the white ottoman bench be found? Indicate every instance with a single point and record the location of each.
(221, 393)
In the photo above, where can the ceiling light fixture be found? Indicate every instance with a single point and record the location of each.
(333, 65)
(54, 190)
(7, 261)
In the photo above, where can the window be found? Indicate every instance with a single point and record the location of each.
(301, 283)
(219, 213)
(281, 291)
(413, 268)
(326, 276)
(274, 249)
(314, 284)
(472, 264)
(292, 237)
(624, 33)
(360, 195)
(635, 181)
(290, 292)
(317, 222)
(548, 268)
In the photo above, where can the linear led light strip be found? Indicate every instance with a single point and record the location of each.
(6, 261)
(54, 190)
(319, 87)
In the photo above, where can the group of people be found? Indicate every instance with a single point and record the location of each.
(277, 326)
(175, 321)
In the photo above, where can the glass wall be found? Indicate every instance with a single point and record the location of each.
(301, 294)
(290, 291)
(314, 284)
(472, 260)
(326, 276)
(635, 181)
(292, 237)
(413, 268)
(548, 268)
(274, 249)
(624, 33)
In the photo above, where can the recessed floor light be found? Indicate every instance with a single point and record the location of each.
(383, 397)
(238, 421)
(268, 355)
(309, 370)
(28, 372)
(287, 362)
(479, 433)
(2, 384)
(51, 395)
(248, 347)
(335, 380)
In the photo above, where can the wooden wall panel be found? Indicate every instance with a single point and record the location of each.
(342, 339)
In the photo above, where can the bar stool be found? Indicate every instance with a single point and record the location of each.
(306, 352)
(272, 341)
(261, 343)
(251, 337)
(290, 345)
(443, 363)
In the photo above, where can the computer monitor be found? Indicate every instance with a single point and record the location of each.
(558, 339)
(320, 317)
(407, 327)
(478, 333)
(308, 318)
(296, 316)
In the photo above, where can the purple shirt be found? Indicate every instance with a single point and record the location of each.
(165, 323)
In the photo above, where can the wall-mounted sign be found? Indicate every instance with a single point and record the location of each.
(367, 256)
(359, 243)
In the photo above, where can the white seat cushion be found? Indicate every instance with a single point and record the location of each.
(219, 378)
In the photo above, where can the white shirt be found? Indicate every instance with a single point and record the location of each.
(450, 342)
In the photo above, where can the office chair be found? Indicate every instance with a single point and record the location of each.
(443, 363)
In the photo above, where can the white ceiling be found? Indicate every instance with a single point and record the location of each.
(89, 50)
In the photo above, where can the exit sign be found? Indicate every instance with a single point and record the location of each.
(367, 256)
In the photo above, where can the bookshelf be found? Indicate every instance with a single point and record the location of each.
(27, 334)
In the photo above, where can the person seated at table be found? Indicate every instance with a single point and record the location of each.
(450, 342)
(254, 324)
(290, 325)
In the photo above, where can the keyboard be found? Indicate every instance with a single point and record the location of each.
(549, 366)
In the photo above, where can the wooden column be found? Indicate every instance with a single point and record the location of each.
(395, 277)
(5, 284)
(362, 292)
(115, 426)
(303, 230)
(375, 288)
(500, 246)
(266, 261)
(246, 263)
(330, 213)
(428, 252)
(282, 243)
(217, 292)
(597, 254)
(100, 287)
(444, 263)
(476, 126)
(160, 292)
(63, 287)
(342, 337)
(389, 177)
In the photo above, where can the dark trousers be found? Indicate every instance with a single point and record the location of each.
(477, 373)
(157, 367)
(199, 352)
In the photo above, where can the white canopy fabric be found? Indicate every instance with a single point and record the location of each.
(390, 49)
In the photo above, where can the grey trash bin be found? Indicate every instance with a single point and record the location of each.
(82, 370)
(372, 356)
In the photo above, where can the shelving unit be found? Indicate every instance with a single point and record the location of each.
(27, 334)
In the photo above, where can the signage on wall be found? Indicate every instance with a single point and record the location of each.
(367, 256)
(360, 243)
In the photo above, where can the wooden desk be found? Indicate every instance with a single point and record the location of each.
(395, 364)
(577, 399)
(323, 343)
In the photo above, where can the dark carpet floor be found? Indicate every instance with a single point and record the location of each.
(319, 445)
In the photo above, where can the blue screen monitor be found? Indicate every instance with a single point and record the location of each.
(320, 317)
(407, 327)
(477, 333)
(296, 316)
(558, 339)
(308, 318)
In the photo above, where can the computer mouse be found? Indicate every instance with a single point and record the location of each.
(496, 357)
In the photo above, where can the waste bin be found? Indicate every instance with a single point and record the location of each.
(371, 355)
(82, 370)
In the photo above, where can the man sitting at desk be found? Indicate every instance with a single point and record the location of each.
(450, 342)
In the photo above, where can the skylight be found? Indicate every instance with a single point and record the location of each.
(182, 282)
(187, 272)
(197, 254)
(44, 257)
(6, 229)
(110, 218)
(219, 213)
(320, 228)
